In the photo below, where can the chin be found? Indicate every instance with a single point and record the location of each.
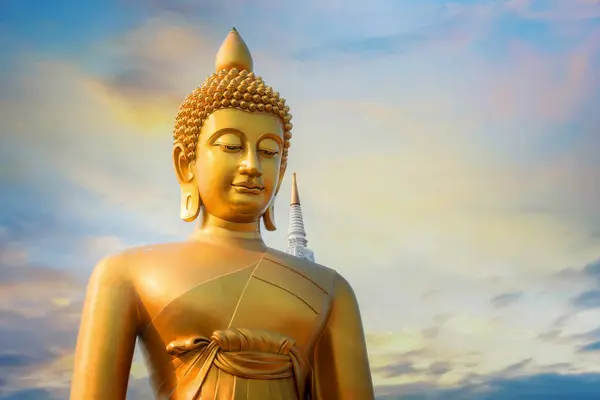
(239, 218)
(246, 211)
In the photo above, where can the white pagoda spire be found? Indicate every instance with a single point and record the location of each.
(296, 241)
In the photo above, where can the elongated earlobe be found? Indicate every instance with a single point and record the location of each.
(269, 217)
(190, 203)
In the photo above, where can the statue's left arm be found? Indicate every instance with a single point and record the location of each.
(341, 365)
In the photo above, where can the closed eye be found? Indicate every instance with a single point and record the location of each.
(268, 153)
(231, 148)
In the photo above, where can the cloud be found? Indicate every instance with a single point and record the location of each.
(97, 247)
(451, 32)
(15, 360)
(98, 170)
(528, 86)
(589, 299)
(30, 394)
(35, 343)
(303, 24)
(517, 367)
(550, 335)
(455, 182)
(39, 316)
(584, 386)
(35, 328)
(26, 288)
(153, 72)
(555, 386)
(591, 347)
(589, 335)
(396, 369)
(548, 340)
(450, 164)
(434, 370)
(506, 299)
(592, 270)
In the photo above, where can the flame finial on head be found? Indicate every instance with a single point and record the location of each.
(234, 53)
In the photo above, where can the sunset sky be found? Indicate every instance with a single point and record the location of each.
(448, 161)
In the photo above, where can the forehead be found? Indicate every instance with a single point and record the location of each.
(251, 124)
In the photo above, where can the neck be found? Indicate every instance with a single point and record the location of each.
(219, 231)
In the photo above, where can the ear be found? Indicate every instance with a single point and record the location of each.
(281, 175)
(269, 215)
(190, 198)
(182, 165)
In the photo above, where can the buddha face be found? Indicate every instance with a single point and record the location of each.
(238, 160)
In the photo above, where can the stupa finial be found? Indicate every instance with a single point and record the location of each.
(295, 194)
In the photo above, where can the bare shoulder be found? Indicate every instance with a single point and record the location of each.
(140, 259)
(143, 253)
(110, 270)
(118, 267)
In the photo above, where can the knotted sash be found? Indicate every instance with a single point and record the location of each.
(245, 353)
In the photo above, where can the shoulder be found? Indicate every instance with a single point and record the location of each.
(117, 267)
(138, 258)
(337, 287)
(153, 250)
(320, 275)
(109, 267)
(343, 291)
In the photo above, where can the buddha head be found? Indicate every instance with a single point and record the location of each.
(231, 139)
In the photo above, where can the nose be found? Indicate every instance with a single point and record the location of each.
(250, 164)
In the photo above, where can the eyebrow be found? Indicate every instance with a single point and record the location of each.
(241, 135)
(222, 131)
(272, 136)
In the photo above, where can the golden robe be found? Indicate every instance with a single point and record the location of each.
(237, 333)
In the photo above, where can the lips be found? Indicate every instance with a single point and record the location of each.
(248, 188)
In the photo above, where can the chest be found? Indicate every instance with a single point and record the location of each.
(262, 294)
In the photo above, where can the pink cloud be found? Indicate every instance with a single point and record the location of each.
(539, 86)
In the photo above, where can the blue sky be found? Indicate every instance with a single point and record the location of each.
(472, 237)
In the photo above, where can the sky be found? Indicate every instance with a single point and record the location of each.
(448, 162)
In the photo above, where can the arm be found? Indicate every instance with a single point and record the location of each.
(341, 363)
(107, 335)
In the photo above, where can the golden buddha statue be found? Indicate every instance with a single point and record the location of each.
(222, 316)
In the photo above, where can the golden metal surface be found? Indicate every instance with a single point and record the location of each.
(295, 195)
(234, 53)
(221, 316)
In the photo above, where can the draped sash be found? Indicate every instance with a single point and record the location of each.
(243, 353)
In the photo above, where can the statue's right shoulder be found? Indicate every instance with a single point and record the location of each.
(119, 267)
(110, 268)
(147, 255)
(186, 262)
(110, 275)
